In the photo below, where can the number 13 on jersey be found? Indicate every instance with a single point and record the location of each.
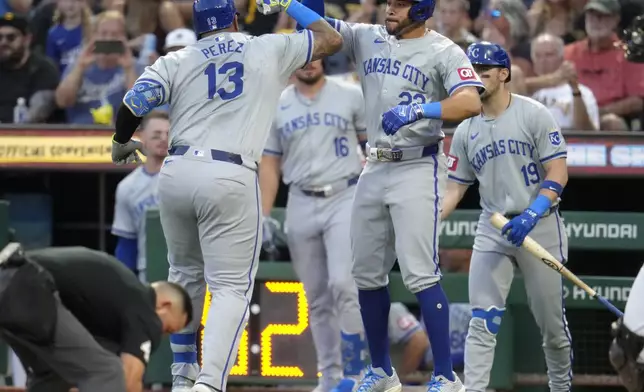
(236, 78)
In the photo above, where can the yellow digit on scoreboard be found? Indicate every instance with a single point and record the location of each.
(267, 368)
(241, 364)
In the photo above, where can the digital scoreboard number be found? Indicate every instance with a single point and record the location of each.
(276, 342)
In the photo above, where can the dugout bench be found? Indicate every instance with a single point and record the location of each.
(519, 363)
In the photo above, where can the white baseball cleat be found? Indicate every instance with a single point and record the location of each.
(181, 384)
(442, 384)
(376, 380)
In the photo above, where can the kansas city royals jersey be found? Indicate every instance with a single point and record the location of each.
(318, 138)
(223, 90)
(401, 72)
(134, 195)
(506, 154)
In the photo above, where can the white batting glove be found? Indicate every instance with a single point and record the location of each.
(123, 154)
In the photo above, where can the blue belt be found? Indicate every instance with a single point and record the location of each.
(216, 155)
(330, 190)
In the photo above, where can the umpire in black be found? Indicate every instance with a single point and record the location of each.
(78, 317)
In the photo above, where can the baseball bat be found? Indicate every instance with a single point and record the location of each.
(538, 251)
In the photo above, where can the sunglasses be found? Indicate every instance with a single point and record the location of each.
(9, 37)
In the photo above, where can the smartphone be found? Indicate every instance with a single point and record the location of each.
(109, 47)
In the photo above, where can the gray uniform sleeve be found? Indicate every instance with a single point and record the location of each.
(547, 135)
(293, 51)
(457, 70)
(158, 74)
(359, 117)
(123, 225)
(349, 32)
(402, 323)
(273, 144)
(458, 165)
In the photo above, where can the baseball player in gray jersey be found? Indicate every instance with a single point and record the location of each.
(518, 155)
(222, 92)
(314, 142)
(417, 78)
(137, 192)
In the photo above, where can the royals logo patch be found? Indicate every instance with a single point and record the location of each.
(555, 138)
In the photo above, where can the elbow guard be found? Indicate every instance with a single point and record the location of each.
(144, 96)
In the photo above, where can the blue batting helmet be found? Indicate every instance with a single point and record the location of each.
(421, 10)
(211, 15)
(487, 53)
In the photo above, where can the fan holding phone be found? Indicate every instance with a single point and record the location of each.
(104, 70)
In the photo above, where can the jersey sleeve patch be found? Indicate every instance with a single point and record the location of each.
(466, 74)
(452, 162)
(554, 137)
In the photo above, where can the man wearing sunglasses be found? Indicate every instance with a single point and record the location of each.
(24, 74)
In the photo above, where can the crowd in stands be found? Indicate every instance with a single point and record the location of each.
(564, 52)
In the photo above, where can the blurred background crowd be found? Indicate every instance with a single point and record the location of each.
(56, 66)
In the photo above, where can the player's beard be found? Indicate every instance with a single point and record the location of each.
(310, 80)
(489, 93)
(402, 27)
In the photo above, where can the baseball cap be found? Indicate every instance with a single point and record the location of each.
(180, 37)
(610, 7)
(18, 22)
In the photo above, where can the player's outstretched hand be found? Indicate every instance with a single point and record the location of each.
(399, 116)
(123, 154)
(520, 226)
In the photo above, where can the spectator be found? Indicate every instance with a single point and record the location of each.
(15, 6)
(453, 15)
(556, 17)
(72, 23)
(179, 39)
(617, 84)
(573, 105)
(24, 74)
(156, 17)
(506, 24)
(96, 83)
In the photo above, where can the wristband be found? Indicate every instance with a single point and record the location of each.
(432, 110)
(540, 205)
(302, 14)
(552, 186)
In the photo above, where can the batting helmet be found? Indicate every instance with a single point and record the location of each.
(421, 10)
(487, 53)
(211, 15)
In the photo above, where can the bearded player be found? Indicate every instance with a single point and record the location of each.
(313, 143)
(517, 153)
(412, 80)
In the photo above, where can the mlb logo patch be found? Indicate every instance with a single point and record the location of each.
(554, 137)
(452, 162)
(466, 74)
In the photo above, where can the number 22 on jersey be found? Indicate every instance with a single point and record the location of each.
(236, 78)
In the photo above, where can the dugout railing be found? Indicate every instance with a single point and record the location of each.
(519, 363)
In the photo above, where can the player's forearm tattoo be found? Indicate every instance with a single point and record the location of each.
(41, 106)
(326, 40)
